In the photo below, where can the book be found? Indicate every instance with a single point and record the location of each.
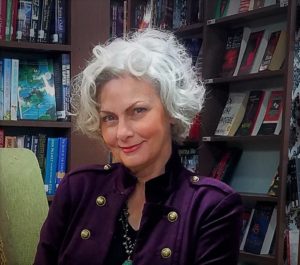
(250, 53)
(260, 221)
(246, 229)
(41, 152)
(1, 138)
(267, 243)
(272, 120)
(233, 44)
(233, 114)
(261, 113)
(273, 40)
(51, 165)
(1, 90)
(279, 53)
(36, 90)
(6, 88)
(233, 7)
(14, 89)
(2, 19)
(246, 217)
(274, 187)
(58, 27)
(24, 20)
(244, 6)
(62, 159)
(20, 141)
(8, 23)
(246, 34)
(221, 8)
(10, 141)
(255, 4)
(45, 21)
(35, 19)
(254, 103)
(225, 167)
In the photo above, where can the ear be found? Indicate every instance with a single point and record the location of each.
(172, 120)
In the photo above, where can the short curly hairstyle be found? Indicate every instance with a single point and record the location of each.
(153, 55)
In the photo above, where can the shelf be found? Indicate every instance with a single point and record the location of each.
(241, 78)
(250, 16)
(36, 47)
(253, 197)
(189, 30)
(262, 138)
(44, 124)
(259, 259)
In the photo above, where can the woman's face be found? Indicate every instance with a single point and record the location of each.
(135, 126)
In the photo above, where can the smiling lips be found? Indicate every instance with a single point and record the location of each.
(131, 149)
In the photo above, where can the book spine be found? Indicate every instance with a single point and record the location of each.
(20, 141)
(6, 88)
(44, 27)
(14, 17)
(35, 18)
(27, 141)
(66, 83)
(41, 152)
(62, 159)
(1, 138)
(34, 144)
(51, 165)
(8, 20)
(24, 20)
(59, 32)
(10, 141)
(14, 89)
(57, 70)
(2, 19)
(1, 90)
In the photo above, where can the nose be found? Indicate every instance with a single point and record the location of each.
(124, 130)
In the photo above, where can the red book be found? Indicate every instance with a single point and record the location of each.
(1, 138)
(14, 17)
(2, 19)
(250, 52)
(244, 6)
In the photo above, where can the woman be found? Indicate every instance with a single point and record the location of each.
(140, 96)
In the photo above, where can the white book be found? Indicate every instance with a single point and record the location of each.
(233, 7)
(269, 3)
(265, 249)
(246, 230)
(233, 113)
(14, 89)
(261, 113)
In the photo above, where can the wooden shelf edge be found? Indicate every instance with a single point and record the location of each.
(240, 138)
(258, 197)
(245, 16)
(259, 259)
(34, 46)
(231, 79)
(47, 124)
(193, 29)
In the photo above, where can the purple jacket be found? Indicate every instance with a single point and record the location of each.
(187, 220)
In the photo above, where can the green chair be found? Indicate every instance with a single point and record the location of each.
(23, 206)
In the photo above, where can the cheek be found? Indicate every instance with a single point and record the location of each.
(108, 135)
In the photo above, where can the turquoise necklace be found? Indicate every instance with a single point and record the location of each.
(128, 244)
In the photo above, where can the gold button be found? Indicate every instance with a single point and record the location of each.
(166, 253)
(85, 234)
(107, 167)
(172, 216)
(195, 179)
(101, 201)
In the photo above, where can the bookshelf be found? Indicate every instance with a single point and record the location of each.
(24, 49)
(271, 149)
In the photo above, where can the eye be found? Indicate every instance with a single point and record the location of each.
(108, 118)
(139, 110)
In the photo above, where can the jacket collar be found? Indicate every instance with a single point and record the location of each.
(156, 189)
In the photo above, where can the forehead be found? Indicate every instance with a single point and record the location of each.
(126, 89)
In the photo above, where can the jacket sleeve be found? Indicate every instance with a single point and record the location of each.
(54, 227)
(219, 233)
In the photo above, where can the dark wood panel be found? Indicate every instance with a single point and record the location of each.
(256, 139)
(45, 124)
(33, 47)
(257, 259)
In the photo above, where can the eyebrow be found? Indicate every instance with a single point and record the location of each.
(129, 107)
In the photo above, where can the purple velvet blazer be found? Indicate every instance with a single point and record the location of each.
(187, 220)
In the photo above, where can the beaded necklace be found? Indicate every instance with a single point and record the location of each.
(128, 243)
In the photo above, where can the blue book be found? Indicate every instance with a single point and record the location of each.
(36, 90)
(62, 159)
(51, 165)
(1, 90)
(258, 227)
(6, 88)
